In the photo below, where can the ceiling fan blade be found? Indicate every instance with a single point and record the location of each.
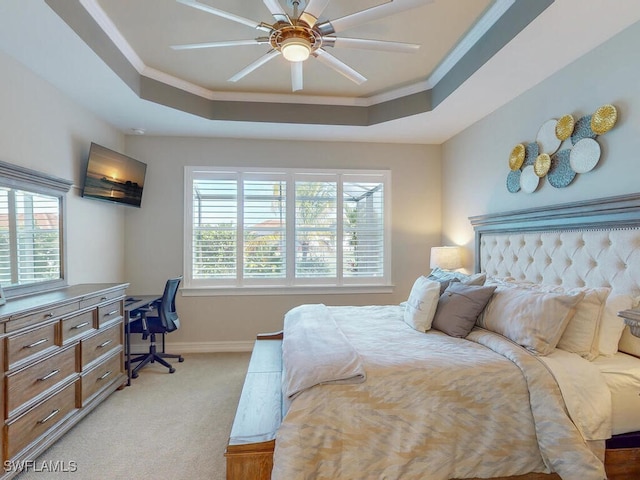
(251, 67)
(370, 44)
(296, 76)
(339, 66)
(223, 14)
(369, 15)
(313, 11)
(228, 43)
(277, 11)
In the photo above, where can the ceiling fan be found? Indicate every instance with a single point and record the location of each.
(301, 35)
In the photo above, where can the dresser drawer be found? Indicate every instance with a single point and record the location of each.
(104, 297)
(101, 343)
(29, 382)
(40, 316)
(101, 376)
(109, 312)
(28, 344)
(78, 325)
(37, 421)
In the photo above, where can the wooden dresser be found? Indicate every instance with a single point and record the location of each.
(62, 354)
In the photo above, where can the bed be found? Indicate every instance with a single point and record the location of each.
(407, 404)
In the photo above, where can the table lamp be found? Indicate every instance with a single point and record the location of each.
(445, 258)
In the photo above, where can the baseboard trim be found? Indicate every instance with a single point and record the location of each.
(198, 347)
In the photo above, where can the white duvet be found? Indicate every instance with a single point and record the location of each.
(434, 407)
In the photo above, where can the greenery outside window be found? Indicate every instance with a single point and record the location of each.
(262, 228)
(31, 230)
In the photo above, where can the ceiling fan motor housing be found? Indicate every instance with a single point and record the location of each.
(300, 35)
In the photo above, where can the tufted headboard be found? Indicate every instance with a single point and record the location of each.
(592, 243)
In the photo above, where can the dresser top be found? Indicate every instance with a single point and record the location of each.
(44, 300)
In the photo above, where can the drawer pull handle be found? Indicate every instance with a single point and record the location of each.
(49, 417)
(49, 375)
(102, 299)
(48, 315)
(112, 312)
(105, 375)
(35, 344)
(80, 325)
(102, 345)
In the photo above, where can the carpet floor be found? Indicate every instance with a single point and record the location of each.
(164, 426)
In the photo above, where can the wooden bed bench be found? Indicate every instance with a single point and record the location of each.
(249, 452)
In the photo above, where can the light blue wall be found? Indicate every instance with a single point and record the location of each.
(475, 162)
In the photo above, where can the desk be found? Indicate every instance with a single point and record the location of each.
(132, 303)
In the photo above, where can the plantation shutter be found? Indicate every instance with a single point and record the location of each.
(38, 235)
(265, 228)
(316, 229)
(363, 229)
(29, 237)
(215, 222)
(5, 239)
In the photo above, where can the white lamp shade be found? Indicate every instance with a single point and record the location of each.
(446, 258)
(296, 49)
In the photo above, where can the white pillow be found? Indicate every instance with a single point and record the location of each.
(583, 330)
(612, 326)
(582, 335)
(422, 303)
(534, 319)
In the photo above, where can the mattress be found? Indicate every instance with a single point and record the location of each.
(622, 374)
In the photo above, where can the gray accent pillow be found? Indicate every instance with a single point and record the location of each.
(459, 307)
(443, 283)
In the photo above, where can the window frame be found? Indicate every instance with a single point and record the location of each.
(20, 178)
(289, 284)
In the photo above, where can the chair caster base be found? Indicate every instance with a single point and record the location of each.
(172, 370)
(180, 359)
(134, 375)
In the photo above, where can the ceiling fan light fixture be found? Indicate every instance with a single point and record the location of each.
(296, 49)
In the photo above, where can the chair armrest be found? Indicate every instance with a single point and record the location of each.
(141, 314)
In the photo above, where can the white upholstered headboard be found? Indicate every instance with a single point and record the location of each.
(593, 243)
(583, 258)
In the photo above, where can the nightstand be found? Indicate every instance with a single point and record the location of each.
(632, 319)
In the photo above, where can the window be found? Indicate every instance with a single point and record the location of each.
(31, 230)
(294, 228)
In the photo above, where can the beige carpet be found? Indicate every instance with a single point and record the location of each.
(164, 426)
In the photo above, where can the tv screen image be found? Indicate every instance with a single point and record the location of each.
(113, 177)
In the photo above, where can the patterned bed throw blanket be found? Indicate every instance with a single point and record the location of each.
(432, 407)
(316, 351)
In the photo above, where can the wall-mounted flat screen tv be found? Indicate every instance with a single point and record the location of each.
(113, 177)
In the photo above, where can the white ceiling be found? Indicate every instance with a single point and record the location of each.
(35, 35)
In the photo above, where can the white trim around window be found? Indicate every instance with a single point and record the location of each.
(259, 231)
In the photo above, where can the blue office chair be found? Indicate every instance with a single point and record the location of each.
(161, 318)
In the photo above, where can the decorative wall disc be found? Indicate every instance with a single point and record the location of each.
(584, 155)
(531, 153)
(560, 174)
(582, 130)
(547, 139)
(564, 127)
(517, 157)
(529, 180)
(542, 165)
(513, 181)
(531, 161)
(604, 119)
